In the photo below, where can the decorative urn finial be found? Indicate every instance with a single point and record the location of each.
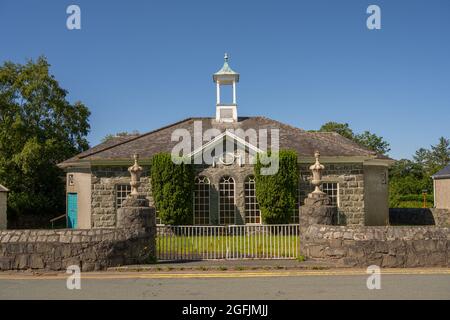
(316, 169)
(225, 57)
(135, 172)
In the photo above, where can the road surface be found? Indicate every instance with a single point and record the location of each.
(312, 284)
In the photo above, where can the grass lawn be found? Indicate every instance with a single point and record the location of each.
(227, 246)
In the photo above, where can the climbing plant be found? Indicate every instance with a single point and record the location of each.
(277, 193)
(172, 189)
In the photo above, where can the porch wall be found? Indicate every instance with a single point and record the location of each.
(103, 190)
(82, 187)
(350, 177)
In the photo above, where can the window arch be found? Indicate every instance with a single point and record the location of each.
(226, 200)
(201, 200)
(252, 213)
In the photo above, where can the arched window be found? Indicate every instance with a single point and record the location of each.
(226, 200)
(201, 200)
(252, 213)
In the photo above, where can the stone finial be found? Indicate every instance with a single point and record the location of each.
(135, 172)
(316, 169)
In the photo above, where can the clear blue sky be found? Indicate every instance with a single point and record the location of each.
(301, 62)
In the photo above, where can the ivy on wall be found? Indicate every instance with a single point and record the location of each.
(277, 193)
(172, 188)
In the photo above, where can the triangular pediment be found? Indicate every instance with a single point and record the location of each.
(226, 148)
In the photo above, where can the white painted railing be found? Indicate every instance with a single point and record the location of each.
(227, 242)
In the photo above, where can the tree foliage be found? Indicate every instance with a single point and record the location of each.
(366, 139)
(434, 159)
(172, 189)
(277, 194)
(342, 128)
(39, 127)
(409, 178)
(372, 142)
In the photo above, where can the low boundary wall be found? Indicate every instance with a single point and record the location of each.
(425, 246)
(94, 249)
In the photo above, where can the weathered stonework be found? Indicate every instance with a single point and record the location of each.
(132, 242)
(104, 181)
(316, 211)
(93, 249)
(383, 246)
(350, 178)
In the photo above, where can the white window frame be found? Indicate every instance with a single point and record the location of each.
(337, 191)
(234, 198)
(208, 184)
(251, 180)
(121, 185)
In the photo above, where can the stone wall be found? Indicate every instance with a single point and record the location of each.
(104, 181)
(419, 216)
(132, 242)
(383, 246)
(93, 249)
(350, 178)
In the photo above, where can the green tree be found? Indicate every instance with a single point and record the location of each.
(434, 159)
(409, 178)
(172, 189)
(39, 127)
(372, 142)
(366, 139)
(277, 193)
(342, 128)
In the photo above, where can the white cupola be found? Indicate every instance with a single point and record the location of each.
(226, 111)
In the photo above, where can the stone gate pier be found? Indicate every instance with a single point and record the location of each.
(362, 246)
(131, 242)
(317, 209)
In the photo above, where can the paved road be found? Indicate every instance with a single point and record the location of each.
(338, 284)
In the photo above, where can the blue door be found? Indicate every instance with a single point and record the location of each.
(72, 210)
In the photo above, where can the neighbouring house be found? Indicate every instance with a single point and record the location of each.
(355, 178)
(441, 186)
(3, 205)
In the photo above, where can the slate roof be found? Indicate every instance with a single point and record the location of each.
(329, 144)
(442, 174)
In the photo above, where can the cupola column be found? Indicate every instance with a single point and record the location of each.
(226, 111)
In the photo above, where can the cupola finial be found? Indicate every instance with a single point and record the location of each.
(225, 57)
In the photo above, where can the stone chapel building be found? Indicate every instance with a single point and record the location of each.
(355, 178)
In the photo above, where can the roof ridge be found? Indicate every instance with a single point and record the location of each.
(281, 123)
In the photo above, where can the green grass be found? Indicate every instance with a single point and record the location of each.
(215, 247)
